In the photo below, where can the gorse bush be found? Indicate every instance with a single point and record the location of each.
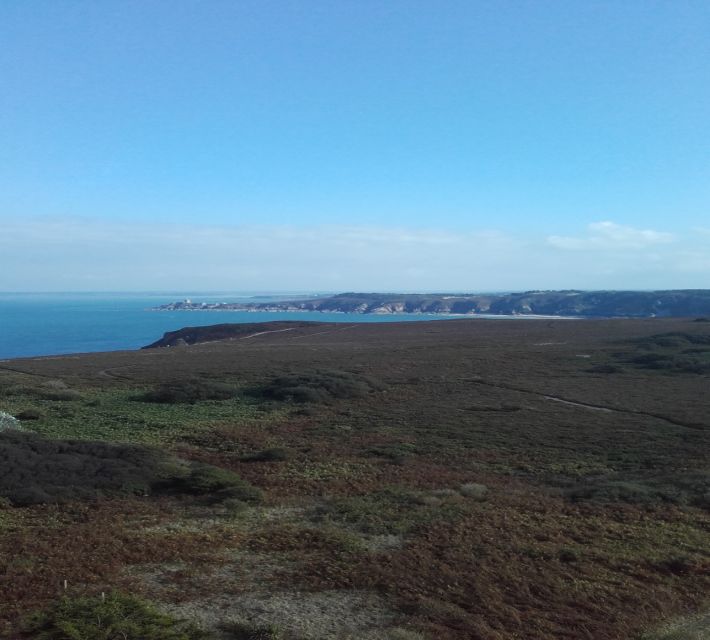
(117, 617)
(318, 386)
(672, 352)
(189, 392)
(35, 470)
(217, 483)
(30, 414)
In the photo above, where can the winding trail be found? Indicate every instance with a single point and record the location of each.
(260, 333)
(320, 333)
(592, 407)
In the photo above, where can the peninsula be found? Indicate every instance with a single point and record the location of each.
(607, 304)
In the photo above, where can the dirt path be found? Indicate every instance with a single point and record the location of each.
(320, 333)
(260, 333)
(594, 407)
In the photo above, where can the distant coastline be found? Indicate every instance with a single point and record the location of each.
(554, 304)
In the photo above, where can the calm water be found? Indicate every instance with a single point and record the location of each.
(34, 324)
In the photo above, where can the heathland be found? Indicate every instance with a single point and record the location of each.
(460, 479)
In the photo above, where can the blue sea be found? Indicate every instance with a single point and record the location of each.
(39, 324)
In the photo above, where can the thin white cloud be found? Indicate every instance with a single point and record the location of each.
(607, 235)
(77, 254)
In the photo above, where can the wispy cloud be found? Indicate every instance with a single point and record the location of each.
(609, 235)
(90, 254)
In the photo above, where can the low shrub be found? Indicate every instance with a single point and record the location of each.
(474, 490)
(217, 483)
(389, 511)
(189, 392)
(683, 488)
(30, 414)
(233, 507)
(36, 470)
(318, 387)
(568, 555)
(115, 617)
(276, 454)
(66, 395)
(396, 453)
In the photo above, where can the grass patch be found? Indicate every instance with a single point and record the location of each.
(391, 511)
(114, 415)
(116, 617)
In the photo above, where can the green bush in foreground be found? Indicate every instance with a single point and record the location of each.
(117, 617)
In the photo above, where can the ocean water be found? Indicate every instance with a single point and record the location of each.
(39, 324)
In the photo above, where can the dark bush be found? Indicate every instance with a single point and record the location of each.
(238, 631)
(673, 339)
(318, 387)
(34, 470)
(277, 454)
(678, 565)
(115, 617)
(189, 391)
(217, 483)
(29, 414)
(568, 555)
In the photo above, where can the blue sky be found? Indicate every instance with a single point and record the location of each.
(354, 144)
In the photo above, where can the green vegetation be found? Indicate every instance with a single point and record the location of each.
(390, 511)
(189, 392)
(671, 352)
(318, 387)
(116, 616)
(680, 488)
(218, 484)
(35, 470)
(115, 416)
(463, 480)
